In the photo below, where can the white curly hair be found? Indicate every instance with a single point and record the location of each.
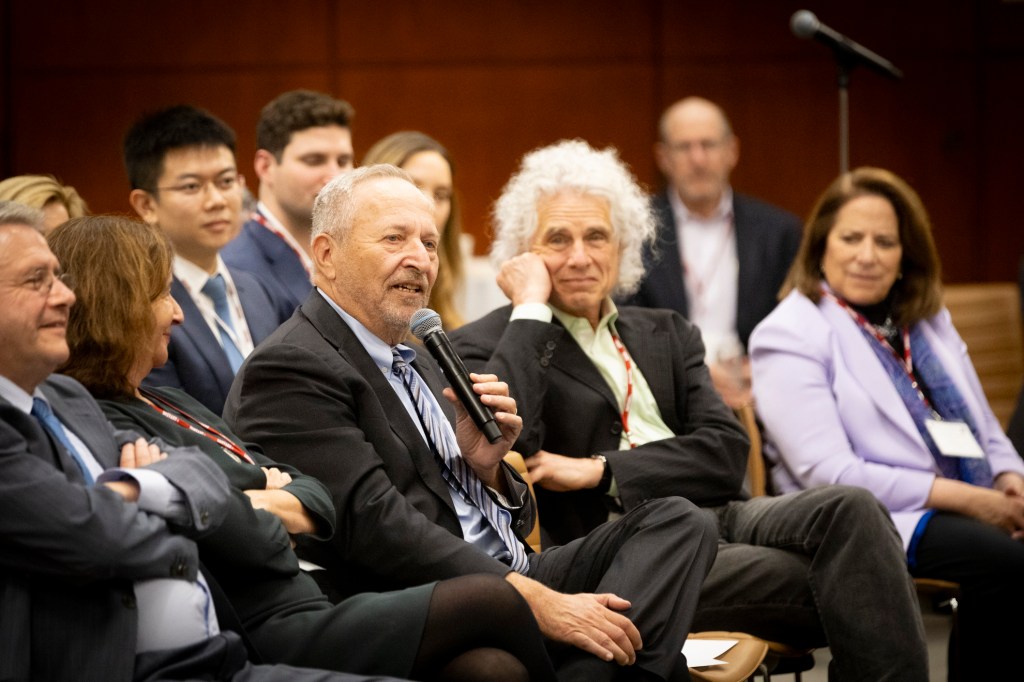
(575, 165)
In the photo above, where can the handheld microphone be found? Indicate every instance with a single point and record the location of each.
(805, 25)
(426, 326)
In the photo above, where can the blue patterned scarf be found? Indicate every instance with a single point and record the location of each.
(945, 399)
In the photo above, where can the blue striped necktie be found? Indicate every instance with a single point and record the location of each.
(454, 469)
(216, 290)
(41, 411)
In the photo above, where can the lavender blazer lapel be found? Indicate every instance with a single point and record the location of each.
(862, 366)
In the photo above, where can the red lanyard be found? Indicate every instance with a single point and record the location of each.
(628, 362)
(194, 425)
(696, 284)
(258, 216)
(906, 361)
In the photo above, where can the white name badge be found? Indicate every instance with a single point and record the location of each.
(954, 438)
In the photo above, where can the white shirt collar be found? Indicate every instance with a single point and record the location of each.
(379, 350)
(683, 214)
(581, 326)
(194, 277)
(14, 394)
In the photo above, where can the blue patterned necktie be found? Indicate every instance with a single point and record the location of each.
(41, 411)
(216, 291)
(454, 469)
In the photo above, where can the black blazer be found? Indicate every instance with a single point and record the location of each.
(281, 609)
(71, 553)
(767, 239)
(250, 555)
(568, 408)
(312, 397)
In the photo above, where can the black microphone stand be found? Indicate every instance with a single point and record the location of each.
(843, 67)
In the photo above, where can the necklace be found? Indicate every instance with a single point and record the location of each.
(887, 328)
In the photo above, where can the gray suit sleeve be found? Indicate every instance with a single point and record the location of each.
(52, 526)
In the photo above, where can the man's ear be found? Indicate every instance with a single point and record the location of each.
(323, 251)
(263, 163)
(144, 204)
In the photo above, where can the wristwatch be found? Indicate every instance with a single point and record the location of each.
(605, 484)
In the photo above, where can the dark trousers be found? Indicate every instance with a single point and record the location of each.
(656, 556)
(989, 565)
(822, 567)
(224, 658)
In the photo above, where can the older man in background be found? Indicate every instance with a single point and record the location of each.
(721, 256)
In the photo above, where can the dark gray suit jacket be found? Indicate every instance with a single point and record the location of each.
(312, 397)
(568, 408)
(767, 239)
(196, 362)
(71, 552)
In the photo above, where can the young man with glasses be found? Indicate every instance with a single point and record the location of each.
(181, 166)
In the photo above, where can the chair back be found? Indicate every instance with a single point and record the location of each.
(988, 318)
(757, 476)
(516, 461)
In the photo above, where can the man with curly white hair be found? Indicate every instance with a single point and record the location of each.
(618, 409)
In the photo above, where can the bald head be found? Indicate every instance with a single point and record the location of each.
(697, 152)
(692, 108)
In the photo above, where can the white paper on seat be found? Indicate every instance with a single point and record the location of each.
(704, 652)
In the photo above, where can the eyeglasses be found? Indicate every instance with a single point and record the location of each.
(193, 188)
(42, 281)
(706, 146)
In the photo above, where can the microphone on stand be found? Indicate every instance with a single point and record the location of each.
(805, 25)
(426, 326)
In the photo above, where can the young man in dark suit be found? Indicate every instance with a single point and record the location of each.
(303, 141)
(337, 393)
(720, 256)
(181, 165)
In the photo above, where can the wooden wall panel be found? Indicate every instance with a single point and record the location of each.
(181, 36)
(82, 144)
(6, 106)
(503, 31)
(489, 122)
(493, 80)
(998, 224)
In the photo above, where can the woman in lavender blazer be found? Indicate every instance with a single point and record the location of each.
(860, 378)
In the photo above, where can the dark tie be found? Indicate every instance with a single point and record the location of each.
(217, 292)
(41, 411)
(454, 469)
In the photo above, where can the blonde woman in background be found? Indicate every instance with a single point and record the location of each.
(431, 168)
(59, 203)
